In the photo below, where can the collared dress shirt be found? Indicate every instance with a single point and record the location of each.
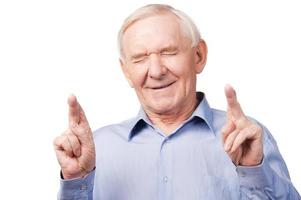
(136, 161)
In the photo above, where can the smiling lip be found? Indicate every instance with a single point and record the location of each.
(163, 86)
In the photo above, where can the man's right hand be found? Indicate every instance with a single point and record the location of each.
(75, 149)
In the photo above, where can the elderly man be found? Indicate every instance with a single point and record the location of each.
(177, 147)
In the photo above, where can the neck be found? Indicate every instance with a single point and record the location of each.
(169, 121)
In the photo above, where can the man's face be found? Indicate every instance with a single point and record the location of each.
(160, 64)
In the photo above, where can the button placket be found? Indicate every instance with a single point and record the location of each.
(165, 169)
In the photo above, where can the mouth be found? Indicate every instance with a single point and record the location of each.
(162, 86)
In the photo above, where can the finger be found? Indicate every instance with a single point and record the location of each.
(62, 144)
(229, 140)
(236, 156)
(74, 112)
(82, 116)
(234, 108)
(83, 133)
(227, 129)
(74, 143)
(245, 134)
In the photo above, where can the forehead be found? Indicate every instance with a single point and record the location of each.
(153, 33)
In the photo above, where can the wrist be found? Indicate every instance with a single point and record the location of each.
(68, 176)
(78, 175)
(252, 163)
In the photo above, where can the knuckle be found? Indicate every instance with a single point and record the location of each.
(84, 130)
(88, 130)
(255, 127)
(66, 132)
(56, 141)
(224, 130)
(244, 120)
(70, 136)
(76, 145)
(258, 128)
(73, 140)
(64, 138)
(59, 140)
(72, 124)
(240, 121)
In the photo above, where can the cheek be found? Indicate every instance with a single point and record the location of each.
(182, 66)
(137, 75)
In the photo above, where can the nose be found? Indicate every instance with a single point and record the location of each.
(156, 69)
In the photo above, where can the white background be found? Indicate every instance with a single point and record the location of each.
(49, 49)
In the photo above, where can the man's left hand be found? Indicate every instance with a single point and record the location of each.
(242, 138)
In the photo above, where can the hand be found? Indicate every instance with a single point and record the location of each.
(75, 149)
(242, 138)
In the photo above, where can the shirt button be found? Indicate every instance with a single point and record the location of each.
(165, 179)
(83, 187)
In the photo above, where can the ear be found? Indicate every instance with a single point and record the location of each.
(200, 56)
(125, 71)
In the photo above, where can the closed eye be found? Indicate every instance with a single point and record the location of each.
(169, 53)
(139, 60)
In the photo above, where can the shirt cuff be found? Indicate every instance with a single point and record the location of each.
(255, 177)
(77, 188)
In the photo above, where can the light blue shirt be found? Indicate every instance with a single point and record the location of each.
(137, 161)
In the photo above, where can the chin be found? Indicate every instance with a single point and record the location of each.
(159, 103)
(163, 107)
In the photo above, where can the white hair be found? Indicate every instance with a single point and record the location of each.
(187, 25)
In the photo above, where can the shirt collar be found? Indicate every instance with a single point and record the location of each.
(202, 111)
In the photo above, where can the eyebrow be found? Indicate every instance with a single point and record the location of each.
(169, 49)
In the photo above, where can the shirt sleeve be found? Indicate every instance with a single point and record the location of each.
(80, 189)
(269, 180)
